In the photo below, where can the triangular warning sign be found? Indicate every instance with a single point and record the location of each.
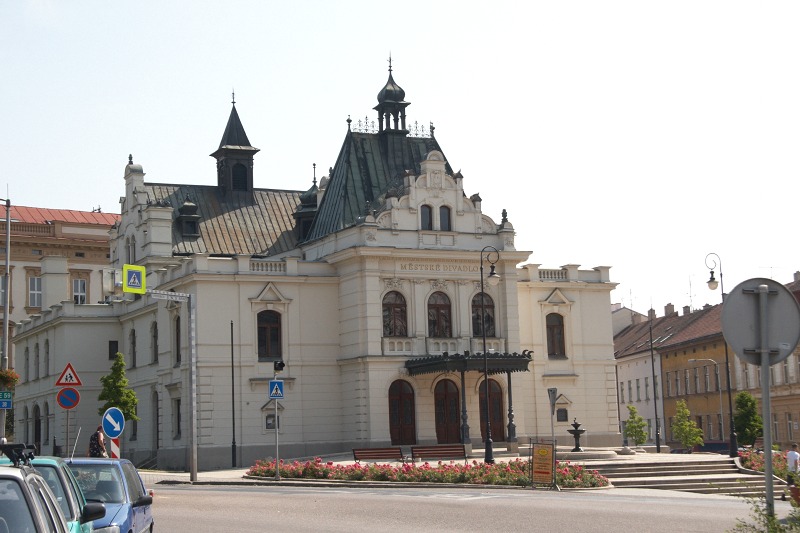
(133, 280)
(277, 392)
(69, 378)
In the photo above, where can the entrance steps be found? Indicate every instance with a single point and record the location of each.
(705, 476)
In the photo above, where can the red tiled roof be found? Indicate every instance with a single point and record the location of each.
(41, 215)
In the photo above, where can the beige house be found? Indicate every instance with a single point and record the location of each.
(56, 255)
(367, 286)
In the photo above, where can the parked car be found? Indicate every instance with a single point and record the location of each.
(117, 484)
(27, 505)
(79, 514)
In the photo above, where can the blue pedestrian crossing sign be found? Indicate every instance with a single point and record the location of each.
(133, 279)
(276, 389)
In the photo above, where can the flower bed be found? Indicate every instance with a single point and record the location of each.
(516, 472)
(755, 461)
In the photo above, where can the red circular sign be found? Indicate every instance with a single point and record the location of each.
(68, 397)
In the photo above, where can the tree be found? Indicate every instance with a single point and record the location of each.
(746, 420)
(636, 427)
(685, 429)
(116, 392)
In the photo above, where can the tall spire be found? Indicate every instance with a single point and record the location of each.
(235, 155)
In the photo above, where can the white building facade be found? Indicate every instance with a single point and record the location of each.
(367, 287)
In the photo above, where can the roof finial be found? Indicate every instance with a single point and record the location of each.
(348, 122)
(233, 97)
(390, 61)
(315, 173)
(130, 159)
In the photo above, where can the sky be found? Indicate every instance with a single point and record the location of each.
(637, 135)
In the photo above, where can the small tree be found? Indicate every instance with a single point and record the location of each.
(636, 427)
(746, 420)
(116, 392)
(685, 429)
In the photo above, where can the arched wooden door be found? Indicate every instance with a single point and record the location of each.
(402, 426)
(495, 411)
(446, 403)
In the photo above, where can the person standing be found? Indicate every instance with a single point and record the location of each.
(97, 444)
(792, 463)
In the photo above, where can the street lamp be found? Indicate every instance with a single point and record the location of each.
(491, 255)
(712, 260)
(719, 388)
(6, 302)
(655, 387)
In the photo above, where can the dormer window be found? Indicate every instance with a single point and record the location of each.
(190, 228)
(188, 220)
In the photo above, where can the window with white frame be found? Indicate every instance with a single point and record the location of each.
(34, 291)
(706, 378)
(79, 291)
(669, 385)
(710, 427)
(621, 393)
(775, 426)
(696, 380)
(646, 388)
(686, 379)
(630, 390)
(785, 376)
(638, 391)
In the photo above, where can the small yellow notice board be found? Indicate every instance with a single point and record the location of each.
(543, 464)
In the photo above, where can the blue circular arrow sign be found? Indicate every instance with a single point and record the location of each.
(68, 397)
(113, 422)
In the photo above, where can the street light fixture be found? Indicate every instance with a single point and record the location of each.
(491, 255)
(712, 261)
(719, 388)
(6, 303)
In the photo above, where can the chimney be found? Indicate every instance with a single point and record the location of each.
(669, 310)
(797, 276)
(687, 310)
(651, 314)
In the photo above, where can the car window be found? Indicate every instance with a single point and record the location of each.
(76, 489)
(50, 475)
(52, 512)
(135, 489)
(14, 509)
(100, 482)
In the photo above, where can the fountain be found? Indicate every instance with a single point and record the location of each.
(577, 434)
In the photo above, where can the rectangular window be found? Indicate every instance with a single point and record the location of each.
(785, 377)
(646, 388)
(789, 427)
(696, 380)
(710, 427)
(113, 348)
(771, 376)
(707, 378)
(655, 387)
(719, 383)
(677, 383)
(669, 386)
(719, 425)
(746, 374)
(686, 379)
(621, 393)
(775, 427)
(649, 429)
(671, 433)
(79, 291)
(638, 391)
(2, 290)
(630, 391)
(34, 291)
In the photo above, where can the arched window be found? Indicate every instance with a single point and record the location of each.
(26, 366)
(426, 217)
(395, 323)
(444, 219)
(154, 342)
(555, 336)
(46, 358)
(132, 347)
(36, 361)
(177, 340)
(269, 335)
(239, 177)
(487, 309)
(439, 317)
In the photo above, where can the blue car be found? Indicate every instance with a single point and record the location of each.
(117, 484)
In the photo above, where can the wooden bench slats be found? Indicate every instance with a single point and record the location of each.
(439, 451)
(378, 454)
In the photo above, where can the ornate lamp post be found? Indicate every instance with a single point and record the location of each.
(712, 260)
(491, 255)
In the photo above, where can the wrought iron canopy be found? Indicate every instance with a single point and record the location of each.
(498, 363)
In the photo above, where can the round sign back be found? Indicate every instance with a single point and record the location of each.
(741, 314)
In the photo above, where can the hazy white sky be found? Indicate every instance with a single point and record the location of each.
(639, 135)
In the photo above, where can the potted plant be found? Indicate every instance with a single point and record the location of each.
(8, 378)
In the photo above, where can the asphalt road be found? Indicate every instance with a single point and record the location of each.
(185, 508)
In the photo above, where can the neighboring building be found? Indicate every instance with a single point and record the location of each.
(690, 352)
(56, 255)
(622, 317)
(367, 286)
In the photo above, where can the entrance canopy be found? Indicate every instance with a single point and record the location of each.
(498, 363)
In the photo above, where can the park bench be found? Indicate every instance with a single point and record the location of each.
(439, 451)
(378, 454)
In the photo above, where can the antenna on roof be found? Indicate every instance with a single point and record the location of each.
(233, 96)
(390, 61)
